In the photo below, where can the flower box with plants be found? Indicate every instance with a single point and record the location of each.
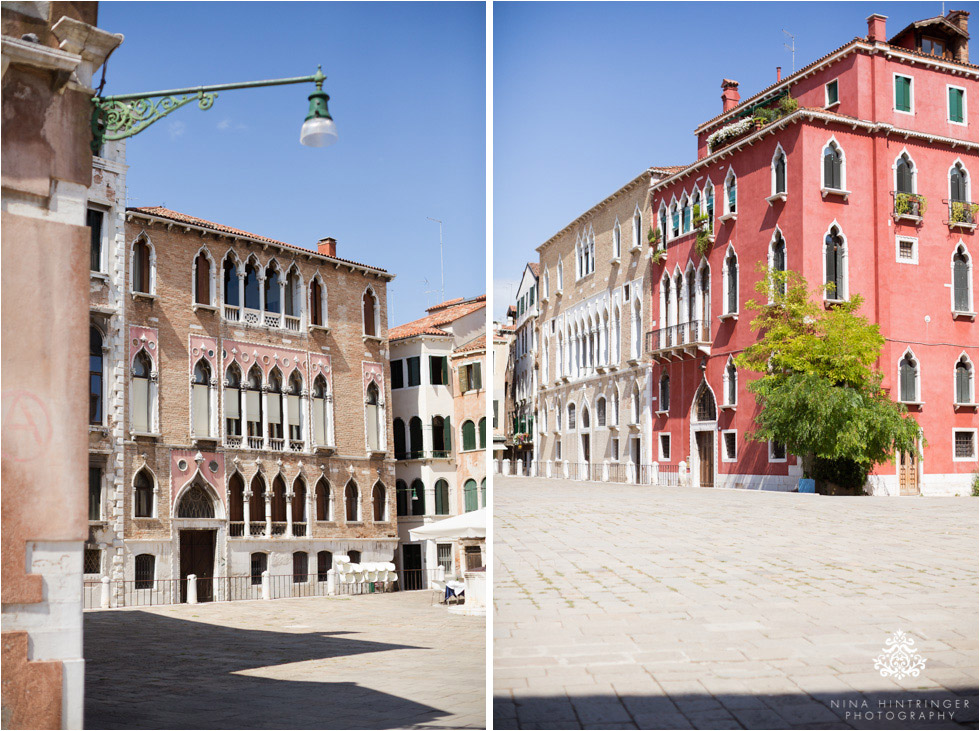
(963, 213)
(759, 119)
(706, 236)
(910, 205)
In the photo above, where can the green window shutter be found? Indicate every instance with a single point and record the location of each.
(445, 370)
(903, 93)
(477, 377)
(447, 435)
(469, 436)
(470, 496)
(961, 286)
(483, 433)
(463, 384)
(483, 492)
(434, 370)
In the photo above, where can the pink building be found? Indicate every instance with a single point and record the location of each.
(869, 182)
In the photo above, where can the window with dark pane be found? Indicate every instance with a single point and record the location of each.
(144, 570)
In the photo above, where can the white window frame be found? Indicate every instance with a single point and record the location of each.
(966, 117)
(724, 446)
(845, 295)
(918, 378)
(911, 79)
(915, 171)
(660, 446)
(773, 193)
(965, 357)
(724, 284)
(725, 383)
(561, 277)
(969, 278)
(775, 460)
(729, 176)
(154, 492)
(617, 240)
(153, 267)
(973, 457)
(637, 229)
(827, 104)
(915, 249)
(324, 310)
(824, 188)
(103, 271)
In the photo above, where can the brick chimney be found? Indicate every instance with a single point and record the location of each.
(876, 28)
(960, 46)
(729, 95)
(959, 18)
(327, 246)
(779, 74)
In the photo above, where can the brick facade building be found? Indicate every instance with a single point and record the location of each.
(239, 417)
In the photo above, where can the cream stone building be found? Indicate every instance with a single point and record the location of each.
(594, 392)
(434, 439)
(522, 437)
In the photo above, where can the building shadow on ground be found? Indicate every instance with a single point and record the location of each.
(147, 671)
(924, 709)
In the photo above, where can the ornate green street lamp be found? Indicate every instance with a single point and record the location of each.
(124, 115)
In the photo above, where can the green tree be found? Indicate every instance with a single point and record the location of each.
(820, 392)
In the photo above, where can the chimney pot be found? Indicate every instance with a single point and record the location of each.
(327, 246)
(779, 74)
(959, 18)
(876, 28)
(729, 94)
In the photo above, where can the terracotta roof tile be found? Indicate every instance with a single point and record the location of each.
(535, 267)
(178, 217)
(438, 317)
(479, 343)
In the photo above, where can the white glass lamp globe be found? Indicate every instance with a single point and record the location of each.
(318, 132)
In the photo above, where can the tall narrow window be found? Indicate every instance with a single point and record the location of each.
(961, 280)
(301, 567)
(675, 220)
(482, 429)
(709, 198)
(256, 503)
(259, 564)
(441, 437)
(731, 194)
(143, 495)
(469, 435)
(324, 562)
(236, 499)
(94, 220)
(415, 438)
(253, 404)
(958, 184)
(95, 493)
(230, 283)
(908, 379)
(779, 172)
(272, 301)
(617, 236)
(351, 506)
(731, 273)
(202, 280)
(278, 504)
(964, 381)
(903, 93)
(252, 299)
(637, 229)
(705, 294)
(442, 497)
(321, 412)
(201, 399)
(291, 297)
(141, 267)
(471, 500)
(316, 303)
(398, 430)
(686, 215)
(369, 304)
(141, 407)
(233, 401)
(833, 164)
(905, 175)
(323, 500)
(373, 414)
(731, 383)
(956, 105)
(779, 261)
(379, 503)
(418, 497)
(834, 256)
(275, 405)
(692, 300)
(96, 373)
(663, 221)
(831, 93)
(664, 393)
(402, 498)
(143, 571)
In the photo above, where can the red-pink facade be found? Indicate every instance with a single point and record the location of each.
(910, 298)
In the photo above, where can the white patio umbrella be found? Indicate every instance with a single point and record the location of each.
(468, 525)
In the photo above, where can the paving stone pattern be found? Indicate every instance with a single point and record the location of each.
(363, 662)
(625, 606)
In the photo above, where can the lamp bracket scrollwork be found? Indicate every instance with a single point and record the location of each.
(117, 119)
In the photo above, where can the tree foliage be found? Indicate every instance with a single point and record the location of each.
(820, 392)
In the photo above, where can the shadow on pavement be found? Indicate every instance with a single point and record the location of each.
(144, 671)
(873, 710)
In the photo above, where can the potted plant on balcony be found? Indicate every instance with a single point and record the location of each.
(963, 212)
(702, 225)
(910, 204)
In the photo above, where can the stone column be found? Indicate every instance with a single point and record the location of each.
(241, 296)
(261, 278)
(247, 511)
(268, 513)
(289, 512)
(282, 302)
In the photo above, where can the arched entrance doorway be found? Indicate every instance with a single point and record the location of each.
(704, 425)
(196, 510)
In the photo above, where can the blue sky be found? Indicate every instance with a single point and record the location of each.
(407, 91)
(587, 95)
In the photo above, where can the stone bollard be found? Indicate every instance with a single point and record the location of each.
(507, 467)
(630, 472)
(655, 473)
(266, 585)
(605, 471)
(331, 582)
(682, 473)
(547, 469)
(564, 468)
(191, 589)
(520, 468)
(106, 591)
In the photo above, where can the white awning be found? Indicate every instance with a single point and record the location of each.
(468, 525)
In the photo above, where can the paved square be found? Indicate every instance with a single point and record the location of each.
(623, 606)
(367, 662)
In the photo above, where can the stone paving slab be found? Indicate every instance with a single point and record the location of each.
(362, 662)
(620, 606)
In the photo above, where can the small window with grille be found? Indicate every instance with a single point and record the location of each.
(300, 567)
(907, 250)
(731, 445)
(260, 562)
(964, 445)
(145, 564)
(444, 554)
(615, 449)
(93, 561)
(665, 447)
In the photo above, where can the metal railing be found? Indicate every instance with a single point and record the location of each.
(961, 213)
(907, 205)
(685, 334)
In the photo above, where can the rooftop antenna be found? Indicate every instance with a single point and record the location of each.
(442, 273)
(791, 48)
(425, 284)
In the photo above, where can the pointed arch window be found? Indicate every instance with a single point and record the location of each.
(379, 503)
(962, 281)
(230, 283)
(299, 504)
(415, 447)
(201, 399)
(905, 174)
(322, 433)
(958, 184)
(143, 494)
(705, 295)
(274, 406)
(731, 194)
(272, 294)
(292, 294)
(779, 261)
(686, 215)
(571, 416)
(600, 411)
(964, 381)
(731, 383)
(637, 228)
(236, 502)
(96, 375)
(373, 414)
(295, 411)
(833, 167)
(731, 283)
(834, 274)
(615, 407)
(705, 404)
(202, 279)
(233, 401)
(323, 502)
(142, 393)
(709, 197)
(635, 408)
(617, 240)
(318, 315)
(252, 299)
(196, 503)
(675, 220)
(278, 504)
(692, 300)
(352, 507)
(253, 405)
(142, 267)
(664, 393)
(662, 217)
(908, 374)
(256, 502)
(779, 172)
(370, 307)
